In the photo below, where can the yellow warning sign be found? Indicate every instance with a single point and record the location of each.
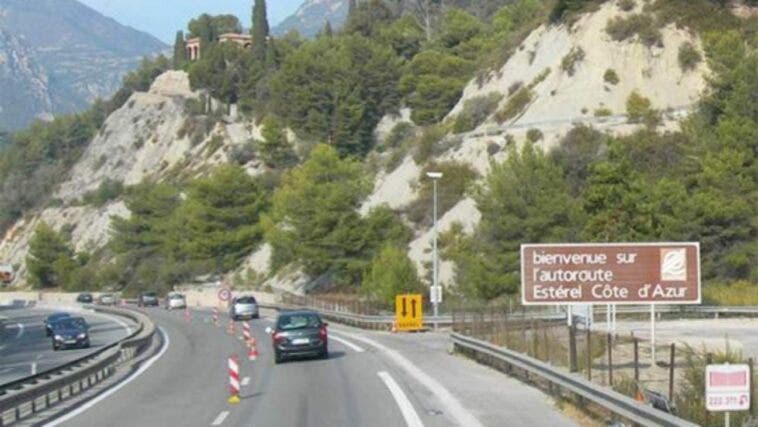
(408, 312)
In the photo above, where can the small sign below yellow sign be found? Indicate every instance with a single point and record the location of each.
(408, 312)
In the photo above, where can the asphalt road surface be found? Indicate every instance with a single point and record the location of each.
(24, 348)
(370, 379)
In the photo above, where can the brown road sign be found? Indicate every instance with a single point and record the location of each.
(408, 312)
(610, 273)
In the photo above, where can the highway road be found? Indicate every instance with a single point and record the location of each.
(24, 348)
(370, 379)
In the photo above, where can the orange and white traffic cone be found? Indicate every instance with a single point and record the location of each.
(234, 380)
(215, 316)
(187, 315)
(230, 328)
(393, 329)
(245, 332)
(252, 353)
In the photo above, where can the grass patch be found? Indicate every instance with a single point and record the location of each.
(515, 105)
(737, 293)
(213, 145)
(642, 25)
(640, 110)
(428, 143)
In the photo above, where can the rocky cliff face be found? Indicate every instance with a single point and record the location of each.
(57, 56)
(312, 15)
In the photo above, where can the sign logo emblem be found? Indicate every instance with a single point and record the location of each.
(674, 264)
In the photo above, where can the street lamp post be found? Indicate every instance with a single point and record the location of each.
(436, 292)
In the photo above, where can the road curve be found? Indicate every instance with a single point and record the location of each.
(359, 385)
(25, 349)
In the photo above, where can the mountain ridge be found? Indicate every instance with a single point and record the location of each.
(82, 55)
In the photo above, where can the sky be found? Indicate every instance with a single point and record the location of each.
(163, 18)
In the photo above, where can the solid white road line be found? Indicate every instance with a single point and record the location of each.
(34, 368)
(220, 419)
(245, 381)
(145, 366)
(406, 407)
(354, 347)
(454, 407)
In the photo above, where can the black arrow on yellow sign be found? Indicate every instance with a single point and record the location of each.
(405, 312)
(413, 308)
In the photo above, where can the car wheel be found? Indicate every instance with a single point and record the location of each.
(55, 347)
(278, 358)
(86, 345)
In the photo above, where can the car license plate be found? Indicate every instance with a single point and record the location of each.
(300, 341)
(70, 341)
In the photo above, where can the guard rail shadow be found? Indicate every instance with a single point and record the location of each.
(25, 397)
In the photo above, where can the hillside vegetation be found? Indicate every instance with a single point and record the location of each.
(318, 104)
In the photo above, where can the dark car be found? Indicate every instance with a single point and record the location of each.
(244, 307)
(70, 332)
(49, 320)
(147, 299)
(84, 298)
(297, 334)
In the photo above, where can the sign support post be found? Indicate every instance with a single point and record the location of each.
(652, 333)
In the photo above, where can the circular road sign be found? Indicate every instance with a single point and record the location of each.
(224, 294)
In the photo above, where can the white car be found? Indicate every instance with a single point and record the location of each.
(176, 302)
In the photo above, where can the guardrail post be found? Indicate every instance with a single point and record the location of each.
(589, 354)
(636, 359)
(671, 372)
(572, 348)
(609, 343)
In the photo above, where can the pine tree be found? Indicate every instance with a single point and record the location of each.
(328, 32)
(260, 30)
(180, 50)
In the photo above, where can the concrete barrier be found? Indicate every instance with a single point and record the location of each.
(205, 298)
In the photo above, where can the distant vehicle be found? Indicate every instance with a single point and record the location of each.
(297, 334)
(84, 298)
(49, 320)
(147, 299)
(107, 299)
(176, 301)
(70, 332)
(7, 273)
(244, 307)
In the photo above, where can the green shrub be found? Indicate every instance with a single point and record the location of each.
(399, 135)
(640, 109)
(689, 57)
(603, 112)
(243, 153)
(427, 143)
(108, 190)
(390, 273)
(627, 5)
(475, 111)
(213, 145)
(515, 105)
(641, 25)
(568, 64)
(611, 77)
(534, 135)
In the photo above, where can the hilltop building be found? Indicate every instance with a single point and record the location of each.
(193, 44)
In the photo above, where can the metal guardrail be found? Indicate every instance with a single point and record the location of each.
(617, 403)
(23, 398)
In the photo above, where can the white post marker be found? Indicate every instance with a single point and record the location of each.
(727, 388)
(569, 315)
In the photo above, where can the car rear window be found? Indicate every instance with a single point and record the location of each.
(246, 300)
(288, 322)
(176, 296)
(69, 323)
(150, 295)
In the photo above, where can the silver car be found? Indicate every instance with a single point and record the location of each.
(244, 307)
(176, 302)
(107, 299)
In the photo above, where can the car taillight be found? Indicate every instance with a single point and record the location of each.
(322, 332)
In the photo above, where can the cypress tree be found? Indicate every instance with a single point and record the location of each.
(180, 50)
(328, 29)
(260, 30)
